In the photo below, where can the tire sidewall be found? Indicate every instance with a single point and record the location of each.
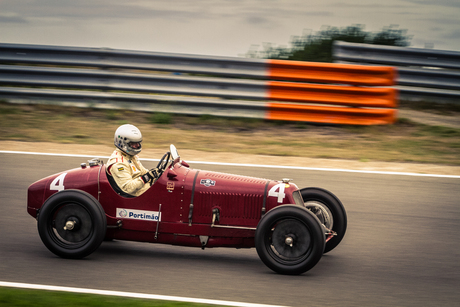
(90, 204)
(290, 212)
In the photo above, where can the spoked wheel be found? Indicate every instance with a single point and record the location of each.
(330, 212)
(289, 240)
(72, 224)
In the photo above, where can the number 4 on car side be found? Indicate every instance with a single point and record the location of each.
(290, 228)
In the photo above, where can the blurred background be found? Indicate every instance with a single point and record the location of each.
(213, 27)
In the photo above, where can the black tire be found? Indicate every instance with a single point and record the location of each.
(289, 222)
(87, 220)
(335, 207)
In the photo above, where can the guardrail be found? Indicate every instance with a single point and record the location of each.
(192, 84)
(423, 74)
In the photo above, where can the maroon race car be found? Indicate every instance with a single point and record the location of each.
(291, 228)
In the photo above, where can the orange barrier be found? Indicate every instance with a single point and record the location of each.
(331, 73)
(353, 92)
(330, 115)
(332, 94)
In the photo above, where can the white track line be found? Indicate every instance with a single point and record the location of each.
(130, 294)
(251, 165)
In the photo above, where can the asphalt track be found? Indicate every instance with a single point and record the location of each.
(401, 247)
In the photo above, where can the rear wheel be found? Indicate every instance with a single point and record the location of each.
(289, 240)
(72, 224)
(329, 210)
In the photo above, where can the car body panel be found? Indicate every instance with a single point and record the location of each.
(185, 206)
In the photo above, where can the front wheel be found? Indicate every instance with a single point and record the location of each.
(329, 210)
(289, 240)
(72, 224)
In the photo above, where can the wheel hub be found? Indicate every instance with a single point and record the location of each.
(69, 225)
(72, 224)
(289, 240)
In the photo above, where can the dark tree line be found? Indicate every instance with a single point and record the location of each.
(317, 47)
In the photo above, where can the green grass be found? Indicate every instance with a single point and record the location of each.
(161, 118)
(13, 297)
(402, 142)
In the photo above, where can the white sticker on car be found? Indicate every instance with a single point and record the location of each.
(144, 215)
(208, 182)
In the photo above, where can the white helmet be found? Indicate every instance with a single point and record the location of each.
(125, 136)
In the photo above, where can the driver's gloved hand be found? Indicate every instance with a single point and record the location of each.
(151, 175)
(155, 172)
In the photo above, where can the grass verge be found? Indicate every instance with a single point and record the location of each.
(13, 297)
(405, 141)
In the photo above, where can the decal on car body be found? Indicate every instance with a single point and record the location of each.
(208, 182)
(58, 183)
(154, 216)
(280, 194)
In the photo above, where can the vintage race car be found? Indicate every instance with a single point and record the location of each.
(291, 228)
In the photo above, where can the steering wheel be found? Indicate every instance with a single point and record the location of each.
(163, 163)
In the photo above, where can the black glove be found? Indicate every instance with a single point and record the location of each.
(151, 175)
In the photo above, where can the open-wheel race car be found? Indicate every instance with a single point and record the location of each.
(291, 228)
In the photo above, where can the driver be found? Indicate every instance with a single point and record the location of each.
(124, 167)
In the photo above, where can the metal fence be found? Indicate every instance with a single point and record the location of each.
(423, 74)
(192, 84)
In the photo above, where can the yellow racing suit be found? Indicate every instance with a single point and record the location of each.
(127, 170)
